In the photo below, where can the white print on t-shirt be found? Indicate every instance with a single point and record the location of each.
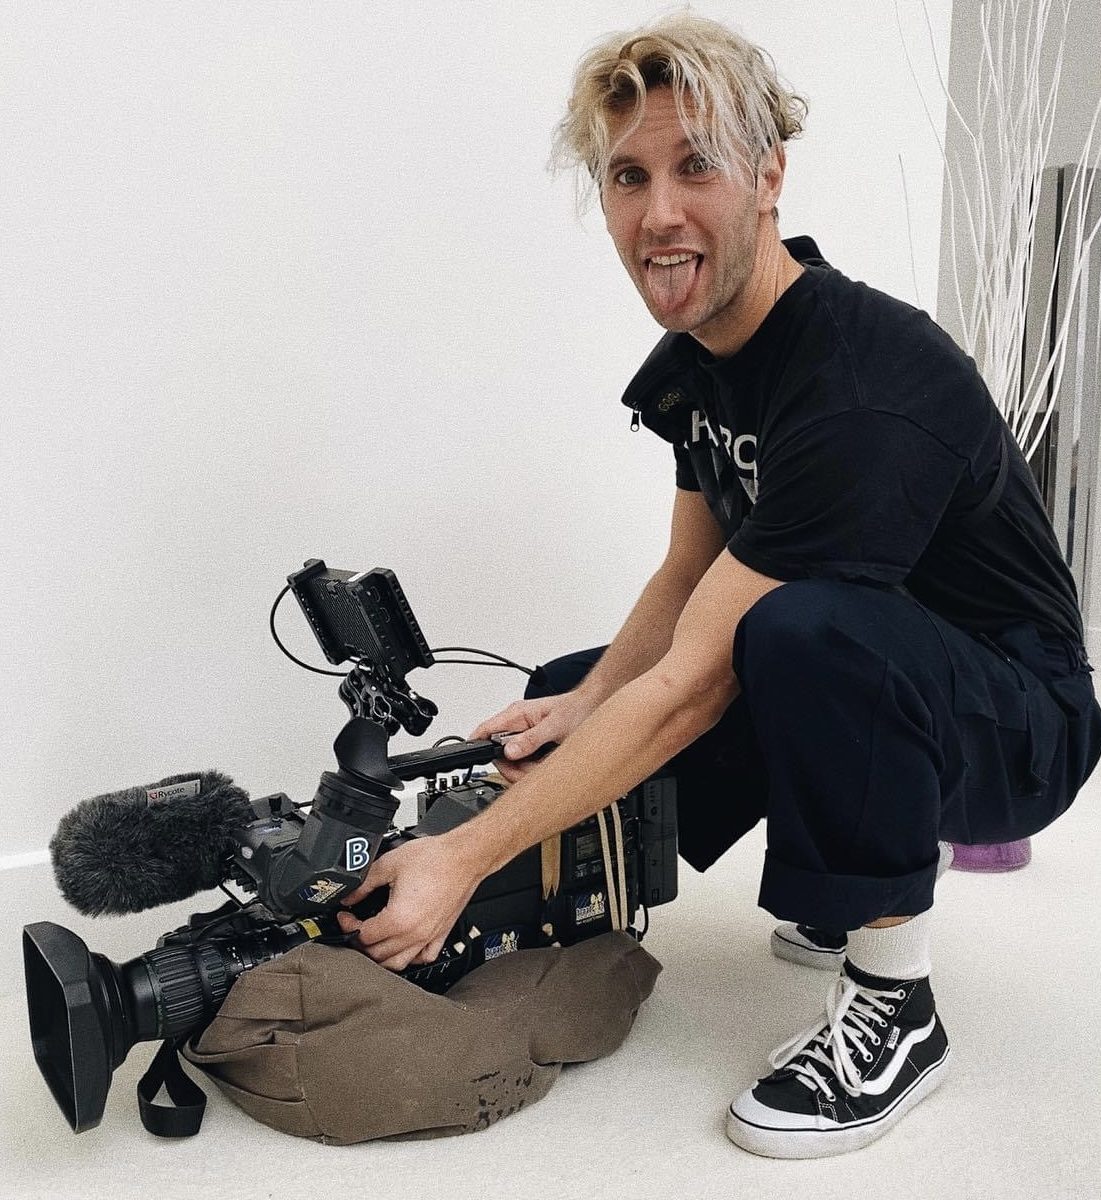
(741, 450)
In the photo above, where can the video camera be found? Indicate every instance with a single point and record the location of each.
(129, 851)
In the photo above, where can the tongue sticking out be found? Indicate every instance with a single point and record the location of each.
(670, 285)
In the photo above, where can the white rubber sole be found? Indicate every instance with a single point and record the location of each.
(823, 1143)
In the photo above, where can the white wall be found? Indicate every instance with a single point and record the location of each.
(284, 280)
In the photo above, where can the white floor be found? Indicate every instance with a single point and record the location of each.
(1016, 965)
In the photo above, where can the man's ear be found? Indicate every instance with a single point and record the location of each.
(770, 177)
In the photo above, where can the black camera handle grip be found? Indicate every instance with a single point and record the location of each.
(438, 760)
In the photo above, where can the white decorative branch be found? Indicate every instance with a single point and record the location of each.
(994, 194)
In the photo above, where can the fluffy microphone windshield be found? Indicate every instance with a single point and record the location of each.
(135, 849)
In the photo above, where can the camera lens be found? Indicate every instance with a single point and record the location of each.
(86, 1012)
(188, 984)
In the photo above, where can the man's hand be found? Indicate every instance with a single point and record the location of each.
(430, 884)
(536, 723)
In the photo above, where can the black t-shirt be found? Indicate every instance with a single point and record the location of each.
(851, 438)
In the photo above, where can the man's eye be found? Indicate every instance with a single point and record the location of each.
(629, 177)
(698, 166)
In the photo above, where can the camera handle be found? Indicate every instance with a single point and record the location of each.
(438, 760)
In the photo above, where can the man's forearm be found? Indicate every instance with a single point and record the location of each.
(641, 726)
(625, 740)
(645, 637)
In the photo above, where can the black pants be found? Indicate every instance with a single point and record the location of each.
(868, 728)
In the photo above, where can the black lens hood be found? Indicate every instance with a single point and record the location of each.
(70, 1027)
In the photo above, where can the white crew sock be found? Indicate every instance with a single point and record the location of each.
(894, 952)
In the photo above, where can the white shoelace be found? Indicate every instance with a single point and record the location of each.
(851, 1011)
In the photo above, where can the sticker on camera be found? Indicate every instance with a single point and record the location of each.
(320, 890)
(505, 942)
(589, 908)
(357, 853)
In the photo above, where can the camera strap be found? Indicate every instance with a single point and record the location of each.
(615, 878)
(184, 1116)
(550, 854)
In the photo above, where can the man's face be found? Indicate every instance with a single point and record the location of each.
(686, 233)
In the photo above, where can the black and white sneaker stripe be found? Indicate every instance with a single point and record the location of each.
(877, 1051)
(809, 947)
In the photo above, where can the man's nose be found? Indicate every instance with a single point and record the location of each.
(664, 206)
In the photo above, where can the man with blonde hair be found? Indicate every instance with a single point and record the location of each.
(863, 631)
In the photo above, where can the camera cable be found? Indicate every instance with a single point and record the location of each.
(496, 660)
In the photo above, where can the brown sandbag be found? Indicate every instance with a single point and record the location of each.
(326, 1044)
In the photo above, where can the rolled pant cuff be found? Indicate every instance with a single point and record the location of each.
(842, 902)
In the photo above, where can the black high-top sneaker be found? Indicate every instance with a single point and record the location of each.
(810, 947)
(843, 1082)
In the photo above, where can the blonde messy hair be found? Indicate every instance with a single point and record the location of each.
(727, 93)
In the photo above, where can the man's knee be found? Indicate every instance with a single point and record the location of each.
(562, 674)
(789, 620)
(812, 632)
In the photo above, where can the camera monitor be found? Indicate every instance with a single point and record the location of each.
(361, 615)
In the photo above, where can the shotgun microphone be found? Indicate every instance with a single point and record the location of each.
(127, 851)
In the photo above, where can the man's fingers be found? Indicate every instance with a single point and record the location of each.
(506, 719)
(380, 873)
(521, 745)
(428, 887)
(398, 962)
(395, 953)
(386, 934)
(367, 932)
(383, 950)
(364, 889)
(430, 953)
(389, 951)
(347, 922)
(378, 929)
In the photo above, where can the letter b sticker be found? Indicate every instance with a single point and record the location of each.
(357, 853)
